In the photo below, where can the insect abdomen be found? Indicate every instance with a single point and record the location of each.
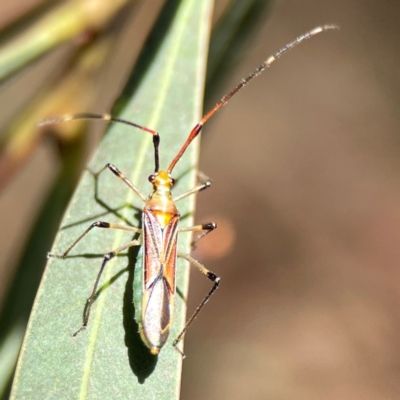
(156, 315)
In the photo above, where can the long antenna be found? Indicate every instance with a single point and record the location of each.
(107, 117)
(266, 64)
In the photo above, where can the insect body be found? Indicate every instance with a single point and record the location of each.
(160, 234)
(160, 230)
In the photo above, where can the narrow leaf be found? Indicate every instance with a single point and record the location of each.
(108, 360)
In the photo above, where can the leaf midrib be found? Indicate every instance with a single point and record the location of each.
(145, 146)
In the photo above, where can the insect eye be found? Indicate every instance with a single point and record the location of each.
(152, 178)
(172, 181)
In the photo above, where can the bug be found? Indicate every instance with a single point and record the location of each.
(160, 219)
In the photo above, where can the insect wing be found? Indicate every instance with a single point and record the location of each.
(158, 280)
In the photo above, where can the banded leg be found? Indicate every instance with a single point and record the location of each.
(121, 176)
(204, 183)
(97, 224)
(210, 275)
(206, 228)
(92, 297)
(109, 118)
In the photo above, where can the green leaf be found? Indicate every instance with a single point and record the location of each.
(108, 360)
(18, 304)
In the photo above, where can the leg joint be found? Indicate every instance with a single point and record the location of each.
(100, 224)
(216, 279)
(205, 185)
(114, 169)
(209, 226)
(109, 256)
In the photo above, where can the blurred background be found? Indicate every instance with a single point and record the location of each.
(306, 193)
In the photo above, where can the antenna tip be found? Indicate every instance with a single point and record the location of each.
(322, 28)
(330, 26)
(44, 122)
(54, 120)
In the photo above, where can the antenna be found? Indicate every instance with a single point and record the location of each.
(266, 64)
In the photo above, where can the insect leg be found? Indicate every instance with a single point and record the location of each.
(97, 224)
(210, 275)
(204, 183)
(121, 176)
(92, 297)
(110, 118)
(206, 228)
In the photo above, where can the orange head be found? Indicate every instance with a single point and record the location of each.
(162, 179)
